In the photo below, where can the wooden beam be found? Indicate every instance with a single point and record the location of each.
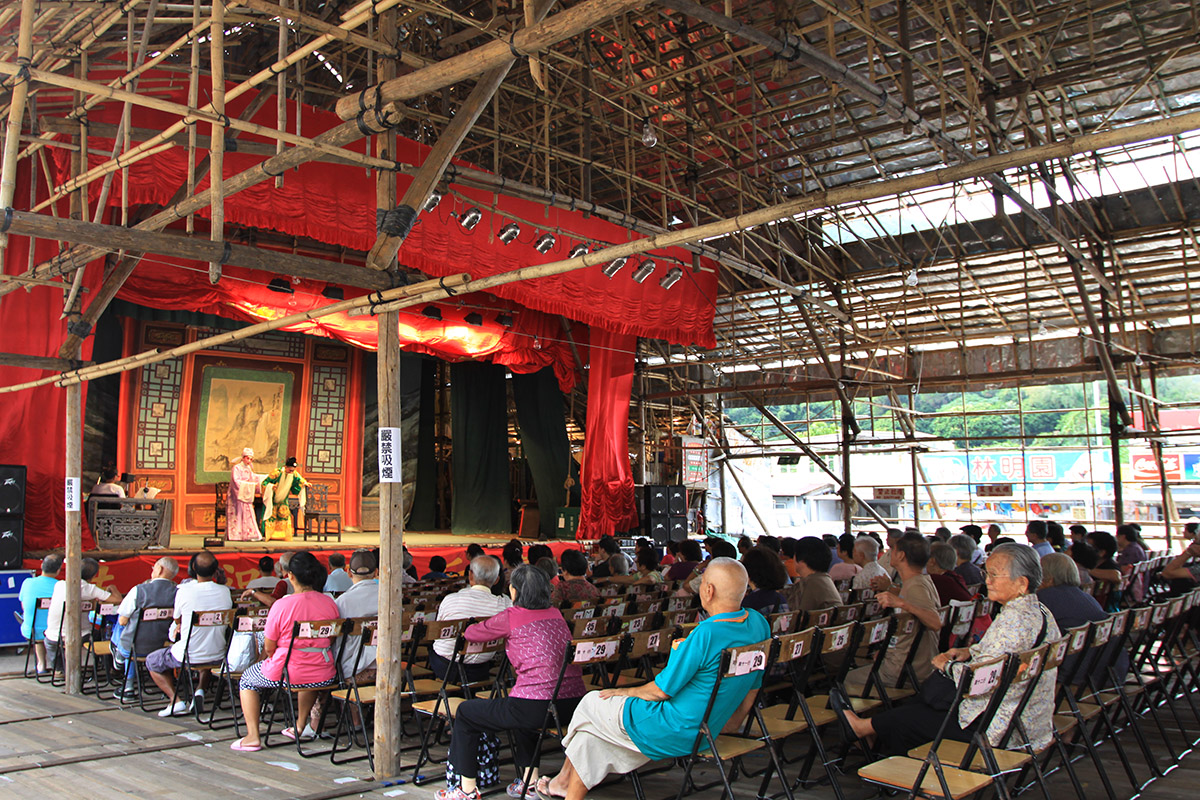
(114, 237)
(526, 41)
(71, 640)
(41, 362)
(16, 109)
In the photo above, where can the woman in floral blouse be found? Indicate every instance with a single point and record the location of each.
(1013, 574)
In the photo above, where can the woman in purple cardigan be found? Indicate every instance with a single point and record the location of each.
(537, 639)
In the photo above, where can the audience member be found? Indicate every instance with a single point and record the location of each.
(949, 584)
(689, 558)
(942, 533)
(547, 565)
(33, 621)
(266, 581)
(845, 568)
(338, 580)
(107, 485)
(513, 554)
(618, 730)
(475, 601)
(669, 556)
(767, 576)
(1131, 550)
(917, 596)
(536, 637)
(976, 533)
(1055, 536)
(812, 589)
(744, 544)
(282, 584)
(769, 542)
(537, 552)
(1086, 558)
(831, 542)
(1036, 532)
(574, 587)
(310, 665)
(204, 645)
(1182, 571)
(965, 549)
(866, 555)
(132, 634)
(437, 569)
(1107, 569)
(787, 549)
(89, 568)
(885, 560)
(410, 569)
(647, 570)
(1072, 607)
(1078, 534)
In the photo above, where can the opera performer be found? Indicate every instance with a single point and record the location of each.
(241, 524)
(277, 488)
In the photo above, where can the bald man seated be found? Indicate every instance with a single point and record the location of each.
(618, 730)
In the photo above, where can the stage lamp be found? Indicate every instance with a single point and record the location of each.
(614, 266)
(432, 201)
(474, 318)
(333, 293)
(282, 285)
(470, 218)
(649, 137)
(643, 271)
(509, 232)
(432, 312)
(504, 320)
(578, 250)
(544, 243)
(671, 278)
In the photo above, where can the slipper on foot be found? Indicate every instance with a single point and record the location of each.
(542, 787)
(242, 747)
(307, 735)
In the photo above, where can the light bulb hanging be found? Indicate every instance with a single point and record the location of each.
(911, 280)
(649, 137)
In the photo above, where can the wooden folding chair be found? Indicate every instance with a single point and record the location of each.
(42, 607)
(220, 618)
(364, 631)
(247, 621)
(149, 621)
(304, 633)
(1070, 713)
(85, 607)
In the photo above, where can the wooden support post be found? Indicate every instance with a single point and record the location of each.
(71, 642)
(193, 100)
(16, 110)
(216, 152)
(281, 90)
(721, 474)
(391, 564)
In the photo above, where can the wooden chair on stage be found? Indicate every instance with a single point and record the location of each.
(220, 505)
(319, 521)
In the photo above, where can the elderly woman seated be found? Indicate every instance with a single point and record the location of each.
(1013, 574)
(1072, 607)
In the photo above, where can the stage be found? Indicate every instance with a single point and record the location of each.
(127, 568)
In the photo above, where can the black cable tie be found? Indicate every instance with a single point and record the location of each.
(268, 172)
(8, 217)
(23, 73)
(225, 254)
(376, 301)
(362, 99)
(231, 144)
(361, 120)
(512, 46)
(223, 119)
(274, 71)
(445, 288)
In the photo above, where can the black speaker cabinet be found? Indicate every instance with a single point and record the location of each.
(676, 500)
(657, 529)
(12, 490)
(12, 542)
(678, 528)
(656, 500)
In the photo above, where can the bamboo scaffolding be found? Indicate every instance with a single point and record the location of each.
(16, 110)
(193, 100)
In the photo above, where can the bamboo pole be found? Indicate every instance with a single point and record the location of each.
(193, 100)
(16, 110)
(281, 90)
(527, 41)
(216, 152)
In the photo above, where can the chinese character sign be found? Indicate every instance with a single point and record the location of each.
(389, 455)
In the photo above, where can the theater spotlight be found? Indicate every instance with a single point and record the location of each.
(282, 285)
(671, 278)
(504, 320)
(544, 243)
(614, 266)
(509, 232)
(433, 312)
(470, 218)
(643, 271)
(474, 318)
(578, 250)
(333, 293)
(431, 203)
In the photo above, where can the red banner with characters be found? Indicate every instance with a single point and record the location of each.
(241, 567)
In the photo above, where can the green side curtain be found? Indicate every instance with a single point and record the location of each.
(479, 434)
(543, 426)
(424, 508)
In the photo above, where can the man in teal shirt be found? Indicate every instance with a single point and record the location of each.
(618, 730)
(34, 589)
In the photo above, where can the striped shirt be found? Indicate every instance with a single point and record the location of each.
(474, 601)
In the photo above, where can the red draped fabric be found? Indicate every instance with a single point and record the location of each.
(335, 204)
(33, 423)
(606, 477)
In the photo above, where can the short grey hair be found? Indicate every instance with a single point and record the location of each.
(1023, 562)
(169, 566)
(868, 545)
(963, 545)
(485, 570)
(943, 555)
(1060, 569)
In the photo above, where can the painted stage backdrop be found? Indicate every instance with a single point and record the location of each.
(184, 422)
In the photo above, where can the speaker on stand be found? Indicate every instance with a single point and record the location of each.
(12, 515)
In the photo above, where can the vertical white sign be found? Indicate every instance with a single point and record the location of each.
(389, 455)
(72, 494)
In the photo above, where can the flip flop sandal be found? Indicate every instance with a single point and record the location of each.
(245, 748)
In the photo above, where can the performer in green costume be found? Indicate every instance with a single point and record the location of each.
(277, 518)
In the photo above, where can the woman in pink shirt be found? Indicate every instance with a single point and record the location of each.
(311, 665)
(537, 640)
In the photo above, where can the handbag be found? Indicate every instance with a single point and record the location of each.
(939, 691)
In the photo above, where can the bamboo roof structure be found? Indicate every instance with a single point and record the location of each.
(875, 179)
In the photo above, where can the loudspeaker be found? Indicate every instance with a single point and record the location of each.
(12, 490)
(676, 500)
(678, 529)
(12, 542)
(657, 529)
(656, 500)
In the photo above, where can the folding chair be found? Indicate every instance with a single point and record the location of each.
(220, 618)
(247, 622)
(1070, 713)
(876, 636)
(928, 776)
(151, 629)
(304, 634)
(784, 622)
(85, 607)
(640, 653)
(358, 697)
(98, 646)
(43, 608)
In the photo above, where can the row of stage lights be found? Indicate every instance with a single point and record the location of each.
(509, 233)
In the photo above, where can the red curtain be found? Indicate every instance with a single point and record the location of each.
(33, 423)
(335, 204)
(606, 476)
